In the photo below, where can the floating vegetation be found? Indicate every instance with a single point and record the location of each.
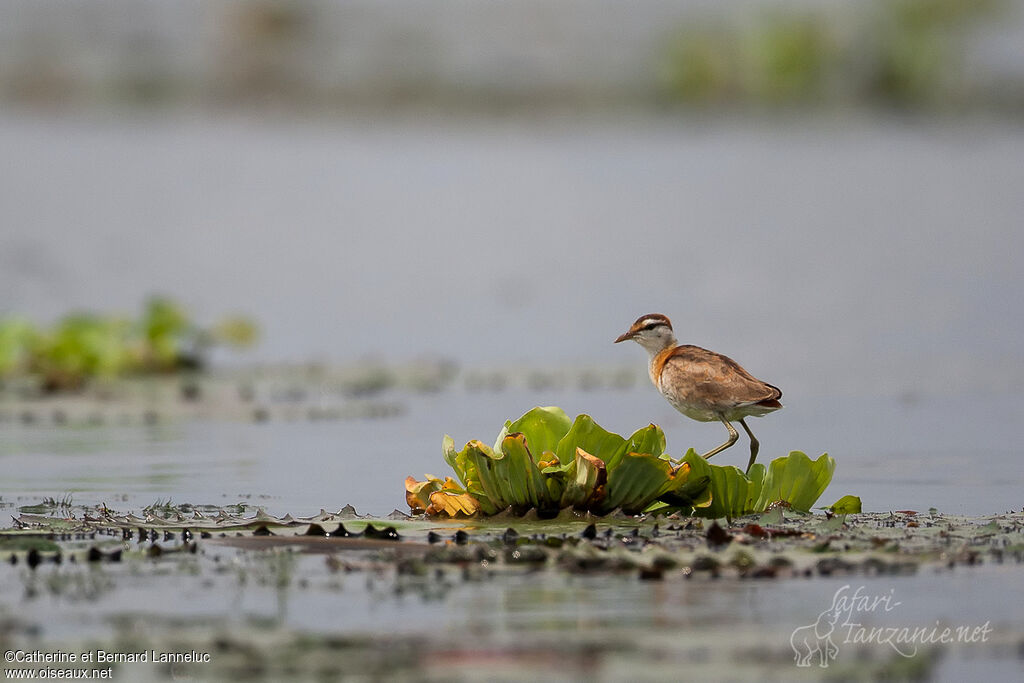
(899, 52)
(546, 462)
(81, 347)
(845, 505)
(49, 505)
(199, 578)
(792, 482)
(775, 544)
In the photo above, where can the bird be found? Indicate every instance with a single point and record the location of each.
(701, 384)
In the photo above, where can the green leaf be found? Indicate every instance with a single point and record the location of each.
(756, 476)
(584, 486)
(593, 439)
(845, 505)
(450, 456)
(727, 485)
(542, 427)
(545, 462)
(511, 475)
(797, 480)
(493, 479)
(731, 492)
(649, 439)
(640, 479)
(466, 469)
(528, 485)
(695, 492)
(635, 476)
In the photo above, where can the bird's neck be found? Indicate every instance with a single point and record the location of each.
(656, 345)
(657, 360)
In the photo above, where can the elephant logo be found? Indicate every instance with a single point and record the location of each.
(816, 638)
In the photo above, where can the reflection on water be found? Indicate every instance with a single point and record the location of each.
(457, 621)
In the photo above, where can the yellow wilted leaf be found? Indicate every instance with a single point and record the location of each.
(452, 504)
(417, 493)
(681, 470)
(451, 485)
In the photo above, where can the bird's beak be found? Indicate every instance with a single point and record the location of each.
(624, 336)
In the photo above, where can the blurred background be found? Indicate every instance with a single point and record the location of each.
(831, 193)
(260, 254)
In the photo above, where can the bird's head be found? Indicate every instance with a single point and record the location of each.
(652, 331)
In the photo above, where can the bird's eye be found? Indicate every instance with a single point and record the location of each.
(650, 326)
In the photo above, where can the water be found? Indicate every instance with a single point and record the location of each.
(833, 256)
(602, 626)
(867, 266)
(894, 454)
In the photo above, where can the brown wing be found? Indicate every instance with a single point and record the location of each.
(697, 375)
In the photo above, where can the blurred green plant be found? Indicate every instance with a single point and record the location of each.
(546, 462)
(785, 58)
(81, 347)
(895, 52)
(790, 58)
(17, 339)
(918, 48)
(165, 331)
(701, 66)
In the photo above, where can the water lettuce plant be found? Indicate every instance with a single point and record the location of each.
(795, 482)
(547, 462)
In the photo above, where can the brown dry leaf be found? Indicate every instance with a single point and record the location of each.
(417, 493)
(452, 504)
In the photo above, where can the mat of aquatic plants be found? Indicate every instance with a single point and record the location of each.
(776, 544)
(350, 595)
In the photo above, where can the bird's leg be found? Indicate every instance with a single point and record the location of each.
(733, 435)
(755, 445)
